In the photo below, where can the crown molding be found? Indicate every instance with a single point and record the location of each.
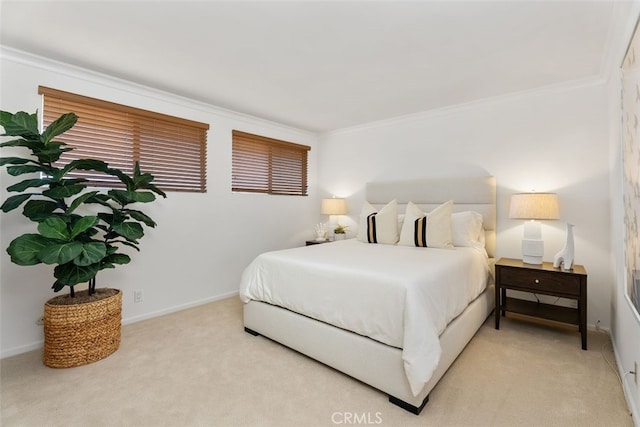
(105, 80)
(484, 102)
(619, 33)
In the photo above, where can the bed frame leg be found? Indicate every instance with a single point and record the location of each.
(251, 331)
(408, 407)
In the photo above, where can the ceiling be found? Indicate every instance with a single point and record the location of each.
(325, 65)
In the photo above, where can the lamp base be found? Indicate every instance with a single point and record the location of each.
(532, 251)
(534, 260)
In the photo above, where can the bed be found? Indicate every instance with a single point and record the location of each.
(321, 303)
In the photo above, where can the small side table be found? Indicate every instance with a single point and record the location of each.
(547, 280)
(316, 242)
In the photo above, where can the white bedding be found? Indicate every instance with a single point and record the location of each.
(399, 295)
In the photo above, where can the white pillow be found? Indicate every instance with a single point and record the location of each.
(400, 221)
(432, 230)
(466, 229)
(379, 226)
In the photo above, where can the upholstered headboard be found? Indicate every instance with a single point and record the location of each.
(468, 194)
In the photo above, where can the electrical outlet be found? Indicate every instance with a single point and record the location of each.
(635, 372)
(137, 296)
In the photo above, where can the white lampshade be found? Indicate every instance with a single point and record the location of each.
(534, 206)
(334, 206)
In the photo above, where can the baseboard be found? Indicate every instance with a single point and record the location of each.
(625, 385)
(175, 308)
(127, 321)
(598, 328)
(21, 349)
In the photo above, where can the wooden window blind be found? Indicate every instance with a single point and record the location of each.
(266, 165)
(172, 149)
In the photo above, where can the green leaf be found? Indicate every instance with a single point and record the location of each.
(69, 181)
(54, 228)
(5, 117)
(91, 232)
(70, 274)
(121, 196)
(33, 143)
(59, 193)
(144, 181)
(126, 197)
(85, 164)
(29, 183)
(59, 126)
(80, 200)
(144, 196)
(129, 230)
(19, 124)
(60, 253)
(140, 217)
(57, 286)
(52, 154)
(141, 179)
(24, 249)
(134, 246)
(118, 259)
(13, 161)
(21, 170)
(123, 177)
(101, 199)
(83, 224)
(38, 210)
(155, 190)
(14, 201)
(92, 252)
(106, 217)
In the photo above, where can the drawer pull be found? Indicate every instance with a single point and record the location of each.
(537, 281)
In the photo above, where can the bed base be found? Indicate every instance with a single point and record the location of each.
(369, 361)
(404, 405)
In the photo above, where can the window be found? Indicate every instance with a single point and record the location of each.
(266, 165)
(170, 148)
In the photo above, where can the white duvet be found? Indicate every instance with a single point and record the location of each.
(399, 295)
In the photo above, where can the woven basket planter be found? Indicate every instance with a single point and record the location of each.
(78, 334)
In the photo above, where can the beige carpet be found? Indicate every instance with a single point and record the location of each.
(199, 368)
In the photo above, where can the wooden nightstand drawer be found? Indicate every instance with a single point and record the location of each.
(542, 282)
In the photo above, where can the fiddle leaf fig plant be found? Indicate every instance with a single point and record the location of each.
(80, 232)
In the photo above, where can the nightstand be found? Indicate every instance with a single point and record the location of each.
(315, 242)
(542, 279)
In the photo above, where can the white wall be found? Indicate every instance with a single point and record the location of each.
(548, 140)
(202, 241)
(625, 327)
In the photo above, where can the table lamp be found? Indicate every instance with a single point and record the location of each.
(532, 207)
(332, 207)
